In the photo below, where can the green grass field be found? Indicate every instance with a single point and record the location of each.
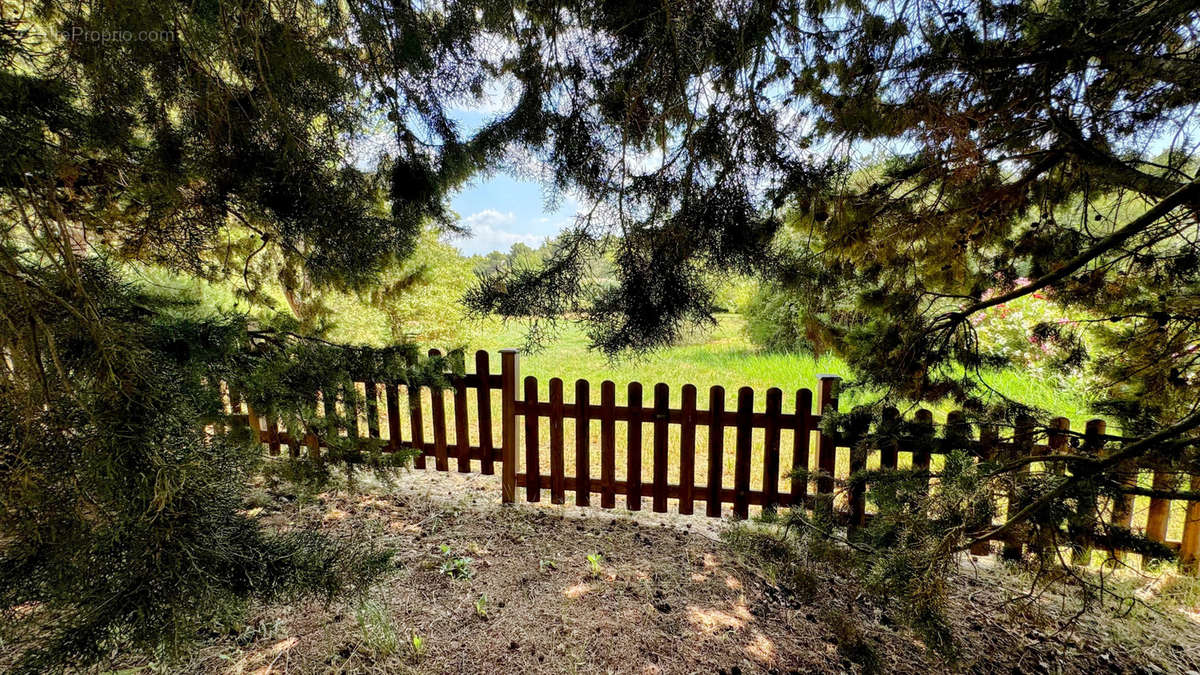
(724, 356)
(719, 355)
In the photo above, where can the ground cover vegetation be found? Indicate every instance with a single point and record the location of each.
(898, 175)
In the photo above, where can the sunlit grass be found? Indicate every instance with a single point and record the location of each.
(724, 356)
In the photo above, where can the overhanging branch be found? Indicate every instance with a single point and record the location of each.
(1187, 193)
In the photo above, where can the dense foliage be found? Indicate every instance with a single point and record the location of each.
(122, 513)
(924, 156)
(213, 140)
(937, 160)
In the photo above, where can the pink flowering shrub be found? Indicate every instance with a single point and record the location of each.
(1031, 333)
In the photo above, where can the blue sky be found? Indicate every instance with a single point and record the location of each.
(500, 209)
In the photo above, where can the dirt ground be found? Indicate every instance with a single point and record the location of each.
(664, 595)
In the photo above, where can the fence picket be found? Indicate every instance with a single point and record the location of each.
(533, 462)
(857, 492)
(716, 447)
(633, 449)
(771, 450)
(1085, 516)
(293, 445)
(1022, 446)
(557, 467)
(437, 410)
(350, 401)
(417, 424)
(662, 409)
(1159, 510)
(800, 446)
(889, 451)
(391, 402)
(462, 429)
(1189, 546)
(608, 440)
(371, 394)
(1056, 438)
(583, 443)
(484, 416)
(988, 437)
(827, 446)
(741, 459)
(1122, 505)
(252, 417)
(273, 436)
(921, 453)
(687, 448)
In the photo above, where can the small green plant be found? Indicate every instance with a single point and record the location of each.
(545, 565)
(456, 567)
(416, 645)
(481, 607)
(594, 560)
(262, 630)
(378, 633)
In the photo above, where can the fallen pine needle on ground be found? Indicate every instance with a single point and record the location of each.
(483, 588)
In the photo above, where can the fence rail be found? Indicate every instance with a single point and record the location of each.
(538, 455)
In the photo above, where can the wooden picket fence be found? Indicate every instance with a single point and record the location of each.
(523, 456)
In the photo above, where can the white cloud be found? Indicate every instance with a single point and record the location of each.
(491, 231)
(490, 218)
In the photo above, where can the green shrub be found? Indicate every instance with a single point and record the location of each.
(734, 293)
(122, 525)
(775, 321)
(1035, 335)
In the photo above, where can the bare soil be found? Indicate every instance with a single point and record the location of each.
(667, 596)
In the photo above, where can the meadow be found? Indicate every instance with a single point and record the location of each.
(723, 355)
(719, 354)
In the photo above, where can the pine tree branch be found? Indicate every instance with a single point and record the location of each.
(1129, 452)
(1187, 193)
(1183, 495)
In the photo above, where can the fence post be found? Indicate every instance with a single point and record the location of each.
(1189, 547)
(827, 445)
(1022, 447)
(252, 419)
(988, 438)
(1122, 506)
(1085, 518)
(509, 365)
(1159, 510)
